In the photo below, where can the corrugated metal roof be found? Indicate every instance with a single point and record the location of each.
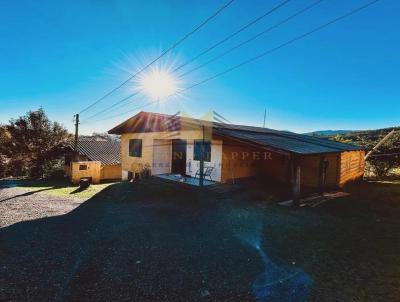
(285, 141)
(107, 152)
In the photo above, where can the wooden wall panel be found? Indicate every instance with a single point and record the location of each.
(242, 160)
(310, 170)
(93, 170)
(109, 172)
(351, 166)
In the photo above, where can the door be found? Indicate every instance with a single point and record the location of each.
(161, 157)
(179, 156)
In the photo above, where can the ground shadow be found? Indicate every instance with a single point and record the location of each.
(129, 242)
(159, 241)
(28, 193)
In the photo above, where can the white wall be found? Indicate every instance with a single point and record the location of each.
(192, 166)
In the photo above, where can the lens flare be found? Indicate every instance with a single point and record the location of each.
(158, 84)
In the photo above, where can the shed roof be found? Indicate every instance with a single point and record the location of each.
(284, 141)
(108, 152)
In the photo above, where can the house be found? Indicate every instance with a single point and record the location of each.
(97, 158)
(174, 144)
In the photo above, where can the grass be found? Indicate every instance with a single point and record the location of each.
(61, 188)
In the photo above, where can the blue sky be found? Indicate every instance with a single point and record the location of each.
(63, 55)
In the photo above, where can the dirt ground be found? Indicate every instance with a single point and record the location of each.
(158, 241)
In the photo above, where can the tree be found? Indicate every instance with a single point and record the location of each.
(31, 142)
(387, 157)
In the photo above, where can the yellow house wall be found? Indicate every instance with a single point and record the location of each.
(135, 164)
(93, 171)
(111, 172)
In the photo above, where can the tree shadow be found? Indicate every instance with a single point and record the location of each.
(27, 193)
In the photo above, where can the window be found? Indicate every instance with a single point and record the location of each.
(197, 150)
(83, 167)
(135, 147)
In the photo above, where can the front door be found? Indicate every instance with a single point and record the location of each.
(179, 156)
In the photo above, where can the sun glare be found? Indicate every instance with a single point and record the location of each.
(158, 84)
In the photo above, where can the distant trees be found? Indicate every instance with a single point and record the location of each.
(30, 144)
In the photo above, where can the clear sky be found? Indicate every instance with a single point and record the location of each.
(63, 55)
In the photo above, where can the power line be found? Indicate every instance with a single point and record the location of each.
(113, 105)
(300, 37)
(232, 35)
(239, 45)
(269, 51)
(161, 55)
(253, 38)
(213, 46)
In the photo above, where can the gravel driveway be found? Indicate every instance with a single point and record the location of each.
(17, 205)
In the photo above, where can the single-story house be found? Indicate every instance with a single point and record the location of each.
(174, 144)
(96, 158)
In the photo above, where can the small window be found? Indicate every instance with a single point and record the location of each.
(135, 147)
(197, 150)
(83, 167)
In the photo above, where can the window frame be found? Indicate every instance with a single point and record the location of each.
(207, 150)
(135, 143)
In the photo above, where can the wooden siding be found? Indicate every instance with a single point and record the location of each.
(109, 172)
(310, 170)
(243, 160)
(351, 166)
(270, 165)
(93, 170)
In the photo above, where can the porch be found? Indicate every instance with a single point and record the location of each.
(193, 181)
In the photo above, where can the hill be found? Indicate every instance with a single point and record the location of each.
(328, 132)
(365, 138)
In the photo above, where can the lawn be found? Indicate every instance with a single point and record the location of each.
(61, 188)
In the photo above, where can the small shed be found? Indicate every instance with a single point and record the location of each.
(98, 159)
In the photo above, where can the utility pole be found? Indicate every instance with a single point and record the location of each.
(380, 143)
(265, 115)
(202, 161)
(76, 116)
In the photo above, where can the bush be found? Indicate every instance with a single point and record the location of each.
(54, 169)
(383, 165)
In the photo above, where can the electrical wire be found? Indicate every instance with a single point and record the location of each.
(232, 35)
(269, 51)
(216, 13)
(233, 48)
(269, 29)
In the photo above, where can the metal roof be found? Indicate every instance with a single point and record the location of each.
(284, 141)
(107, 152)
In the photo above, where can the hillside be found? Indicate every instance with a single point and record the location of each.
(328, 132)
(364, 138)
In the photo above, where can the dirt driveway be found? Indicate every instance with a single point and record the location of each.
(163, 242)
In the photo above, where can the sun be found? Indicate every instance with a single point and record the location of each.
(158, 84)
